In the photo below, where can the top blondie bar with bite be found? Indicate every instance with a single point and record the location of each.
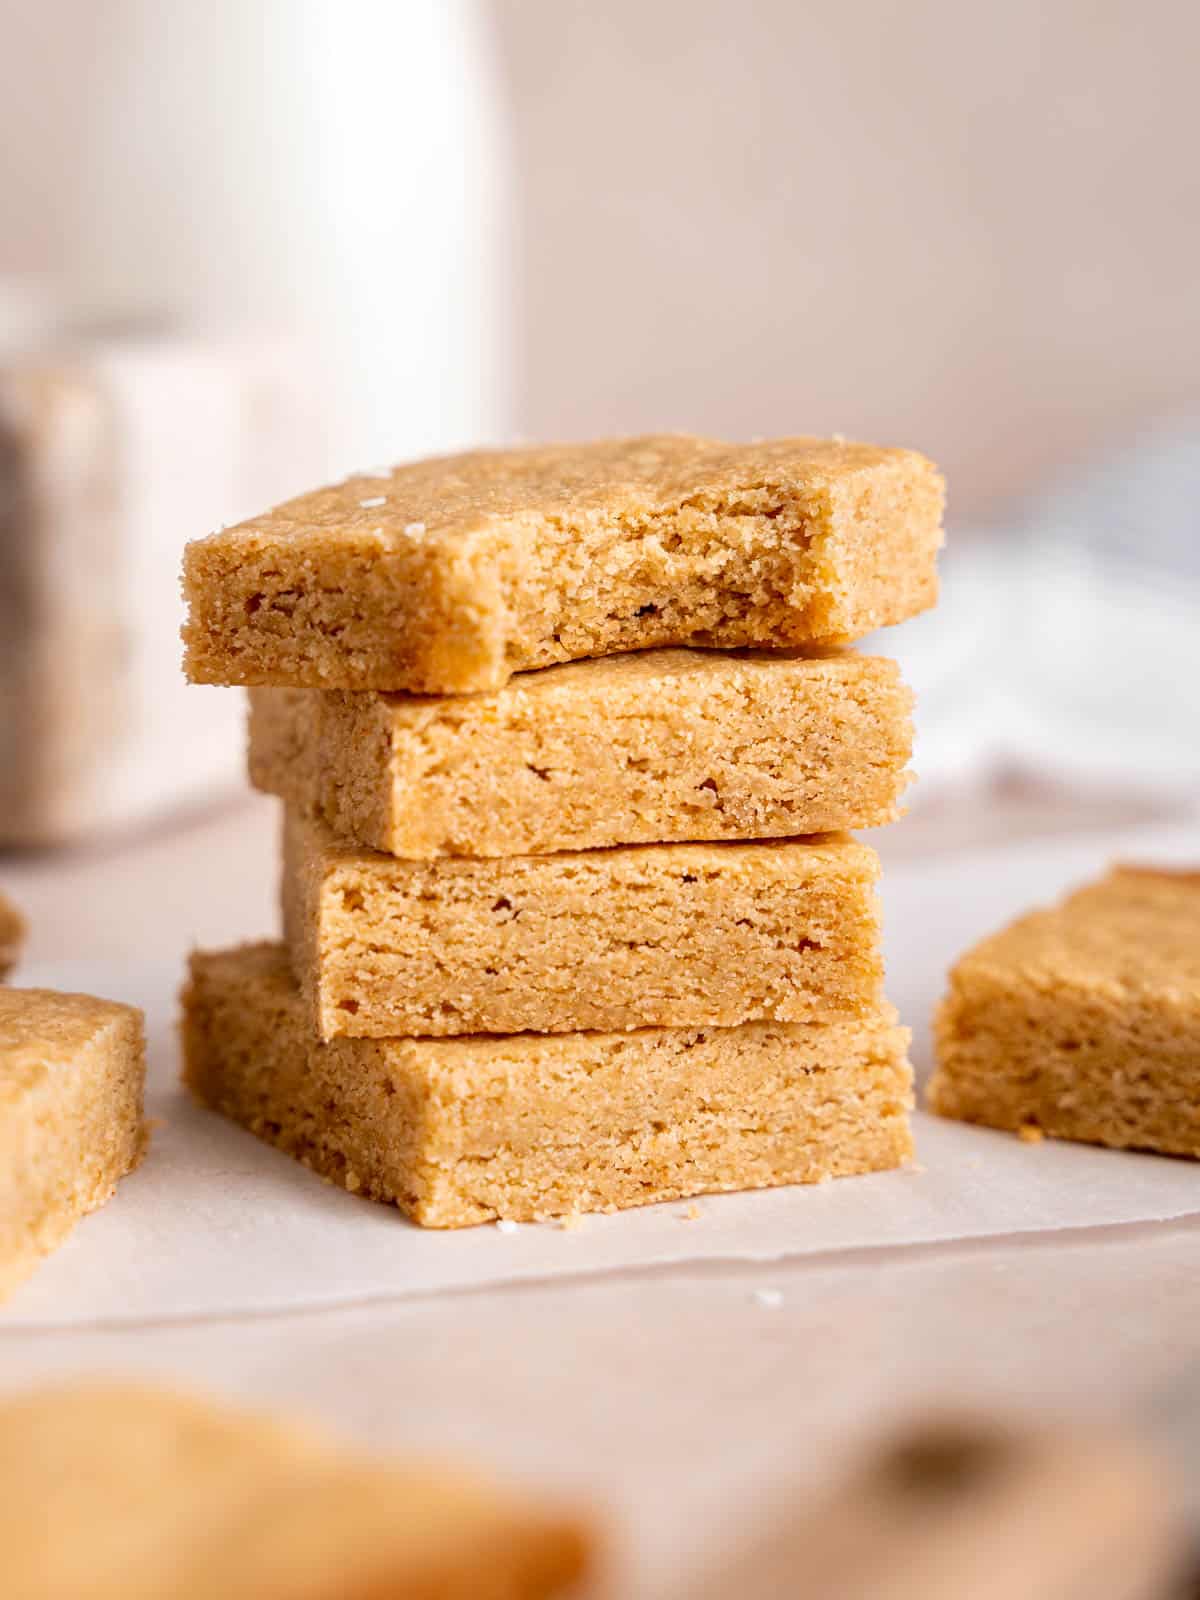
(447, 576)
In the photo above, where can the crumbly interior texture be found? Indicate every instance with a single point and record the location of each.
(460, 1131)
(447, 576)
(12, 936)
(670, 935)
(1083, 1020)
(72, 1073)
(662, 746)
(119, 1492)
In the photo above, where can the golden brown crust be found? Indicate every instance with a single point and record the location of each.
(661, 746)
(1083, 1020)
(454, 497)
(447, 576)
(110, 1490)
(1136, 933)
(460, 1131)
(1182, 875)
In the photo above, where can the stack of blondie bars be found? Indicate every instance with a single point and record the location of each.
(568, 741)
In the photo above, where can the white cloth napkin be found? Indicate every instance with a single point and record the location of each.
(1067, 647)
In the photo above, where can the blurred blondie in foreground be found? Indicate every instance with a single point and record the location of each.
(115, 1492)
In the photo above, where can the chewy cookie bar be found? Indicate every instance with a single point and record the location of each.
(72, 1071)
(670, 935)
(12, 936)
(1083, 1020)
(665, 745)
(447, 576)
(460, 1131)
(118, 1492)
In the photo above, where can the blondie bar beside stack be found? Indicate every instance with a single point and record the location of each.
(72, 1075)
(1082, 1020)
(590, 935)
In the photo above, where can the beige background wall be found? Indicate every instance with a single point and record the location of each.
(974, 227)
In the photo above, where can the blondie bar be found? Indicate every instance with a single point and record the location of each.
(72, 1071)
(12, 936)
(459, 1131)
(447, 576)
(668, 935)
(664, 745)
(119, 1492)
(1083, 1020)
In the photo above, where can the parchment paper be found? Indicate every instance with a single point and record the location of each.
(215, 1223)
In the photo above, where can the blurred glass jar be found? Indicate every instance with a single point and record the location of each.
(252, 244)
(116, 445)
(336, 172)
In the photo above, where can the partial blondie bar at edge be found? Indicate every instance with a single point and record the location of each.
(111, 1491)
(461, 1131)
(72, 1073)
(660, 746)
(1083, 1020)
(639, 936)
(447, 576)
